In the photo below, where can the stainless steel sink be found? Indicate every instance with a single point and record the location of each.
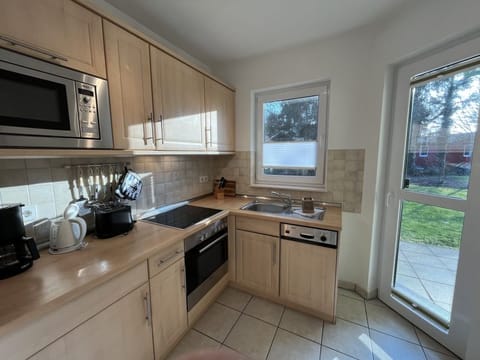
(282, 209)
(266, 207)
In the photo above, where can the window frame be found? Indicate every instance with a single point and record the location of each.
(311, 183)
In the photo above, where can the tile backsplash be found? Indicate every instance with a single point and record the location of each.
(344, 177)
(46, 186)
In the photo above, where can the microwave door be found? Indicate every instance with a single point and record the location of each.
(34, 102)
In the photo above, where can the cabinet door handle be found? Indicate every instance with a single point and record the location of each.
(148, 308)
(274, 254)
(164, 260)
(154, 129)
(182, 277)
(145, 137)
(15, 42)
(212, 243)
(307, 236)
(160, 120)
(208, 136)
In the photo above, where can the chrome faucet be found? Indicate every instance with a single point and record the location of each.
(286, 198)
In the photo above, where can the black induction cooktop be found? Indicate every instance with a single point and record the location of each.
(183, 216)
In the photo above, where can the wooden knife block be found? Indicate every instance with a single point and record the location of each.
(219, 193)
(229, 190)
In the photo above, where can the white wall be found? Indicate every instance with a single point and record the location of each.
(358, 65)
(343, 61)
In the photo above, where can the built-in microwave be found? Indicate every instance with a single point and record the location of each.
(49, 106)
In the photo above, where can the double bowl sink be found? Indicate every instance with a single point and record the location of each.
(282, 209)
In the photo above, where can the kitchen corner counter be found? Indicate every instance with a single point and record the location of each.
(332, 219)
(55, 280)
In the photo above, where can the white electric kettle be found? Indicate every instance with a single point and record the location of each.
(68, 234)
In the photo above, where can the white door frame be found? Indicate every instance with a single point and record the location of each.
(463, 308)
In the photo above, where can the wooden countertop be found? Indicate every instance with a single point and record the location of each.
(332, 219)
(55, 280)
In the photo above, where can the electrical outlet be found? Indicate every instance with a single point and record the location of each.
(203, 179)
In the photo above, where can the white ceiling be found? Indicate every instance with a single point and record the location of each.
(225, 30)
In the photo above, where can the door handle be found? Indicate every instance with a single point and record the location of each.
(274, 254)
(164, 260)
(212, 243)
(160, 120)
(388, 199)
(307, 236)
(15, 42)
(148, 308)
(182, 277)
(154, 129)
(145, 138)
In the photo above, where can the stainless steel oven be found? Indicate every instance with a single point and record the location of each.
(46, 105)
(206, 260)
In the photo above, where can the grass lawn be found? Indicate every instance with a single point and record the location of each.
(430, 224)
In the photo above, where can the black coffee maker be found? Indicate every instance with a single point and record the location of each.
(17, 251)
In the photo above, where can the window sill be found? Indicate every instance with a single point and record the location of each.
(289, 187)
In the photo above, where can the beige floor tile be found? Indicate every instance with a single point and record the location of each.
(352, 310)
(264, 310)
(233, 355)
(234, 298)
(302, 324)
(434, 355)
(251, 337)
(386, 347)
(385, 320)
(429, 343)
(377, 302)
(329, 354)
(349, 293)
(348, 338)
(287, 346)
(217, 322)
(193, 341)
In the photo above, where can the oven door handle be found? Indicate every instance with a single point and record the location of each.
(212, 243)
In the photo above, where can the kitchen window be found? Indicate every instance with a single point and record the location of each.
(291, 141)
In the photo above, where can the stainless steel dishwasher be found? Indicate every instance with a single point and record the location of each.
(310, 235)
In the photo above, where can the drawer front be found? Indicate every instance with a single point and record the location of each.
(259, 226)
(164, 258)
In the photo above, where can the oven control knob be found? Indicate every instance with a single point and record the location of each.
(203, 237)
(86, 100)
(323, 238)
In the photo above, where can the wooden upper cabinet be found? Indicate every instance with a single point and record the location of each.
(58, 27)
(128, 66)
(220, 113)
(308, 276)
(178, 98)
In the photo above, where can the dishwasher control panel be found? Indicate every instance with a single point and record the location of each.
(307, 234)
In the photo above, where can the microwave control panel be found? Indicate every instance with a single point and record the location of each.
(87, 111)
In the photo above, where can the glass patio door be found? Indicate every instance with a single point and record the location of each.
(430, 173)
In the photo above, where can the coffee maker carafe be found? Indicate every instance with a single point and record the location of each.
(17, 251)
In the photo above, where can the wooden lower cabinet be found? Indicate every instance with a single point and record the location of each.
(121, 331)
(257, 258)
(169, 308)
(308, 276)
